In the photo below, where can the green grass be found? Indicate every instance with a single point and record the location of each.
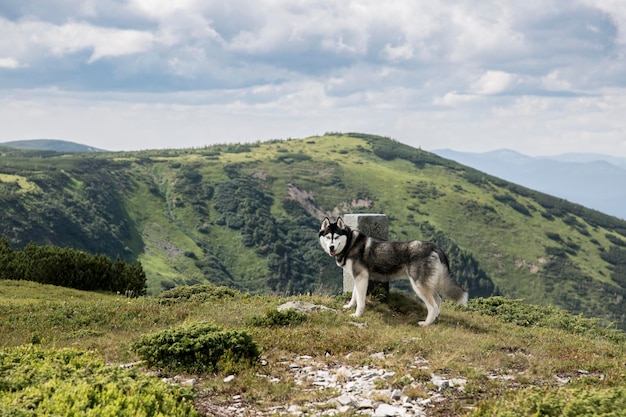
(25, 185)
(498, 345)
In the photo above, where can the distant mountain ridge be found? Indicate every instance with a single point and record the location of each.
(55, 145)
(593, 180)
(588, 157)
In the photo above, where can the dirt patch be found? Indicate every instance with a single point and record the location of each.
(306, 200)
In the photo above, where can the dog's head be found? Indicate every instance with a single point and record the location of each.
(333, 236)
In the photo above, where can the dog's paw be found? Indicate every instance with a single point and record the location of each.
(423, 323)
(347, 306)
(356, 315)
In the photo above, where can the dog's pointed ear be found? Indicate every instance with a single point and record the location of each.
(340, 223)
(325, 223)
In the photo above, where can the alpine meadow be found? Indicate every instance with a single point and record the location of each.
(222, 235)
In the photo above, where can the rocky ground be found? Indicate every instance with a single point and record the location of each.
(358, 390)
(369, 390)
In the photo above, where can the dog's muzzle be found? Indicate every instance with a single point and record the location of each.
(331, 251)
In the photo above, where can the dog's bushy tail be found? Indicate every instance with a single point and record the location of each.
(454, 292)
(448, 287)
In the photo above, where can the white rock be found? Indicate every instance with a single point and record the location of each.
(345, 400)
(229, 378)
(561, 381)
(458, 382)
(351, 386)
(189, 382)
(365, 404)
(439, 382)
(425, 401)
(129, 365)
(303, 307)
(442, 383)
(396, 394)
(386, 410)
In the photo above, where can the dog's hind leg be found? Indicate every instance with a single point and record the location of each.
(430, 297)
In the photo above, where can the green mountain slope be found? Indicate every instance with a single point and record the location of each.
(247, 216)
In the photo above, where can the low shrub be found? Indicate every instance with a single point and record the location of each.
(565, 402)
(274, 318)
(517, 312)
(198, 347)
(68, 382)
(200, 292)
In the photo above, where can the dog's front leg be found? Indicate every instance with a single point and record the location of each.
(360, 290)
(348, 268)
(352, 302)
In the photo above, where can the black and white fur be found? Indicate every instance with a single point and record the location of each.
(365, 257)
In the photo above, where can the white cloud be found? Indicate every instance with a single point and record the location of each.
(37, 40)
(483, 30)
(9, 63)
(103, 42)
(398, 53)
(477, 72)
(554, 82)
(493, 82)
(454, 98)
(163, 8)
(616, 11)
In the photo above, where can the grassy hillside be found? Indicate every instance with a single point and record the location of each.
(500, 357)
(247, 216)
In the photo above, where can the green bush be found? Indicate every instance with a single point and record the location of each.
(199, 292)
(565, 402)
(513, 203)
(197, 347)
(290, 158)
(274, 318)
(517, 312)
(68, 382)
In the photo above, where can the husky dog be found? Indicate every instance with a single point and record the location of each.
(365, 257)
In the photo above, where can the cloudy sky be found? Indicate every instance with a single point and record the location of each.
(538, 76)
